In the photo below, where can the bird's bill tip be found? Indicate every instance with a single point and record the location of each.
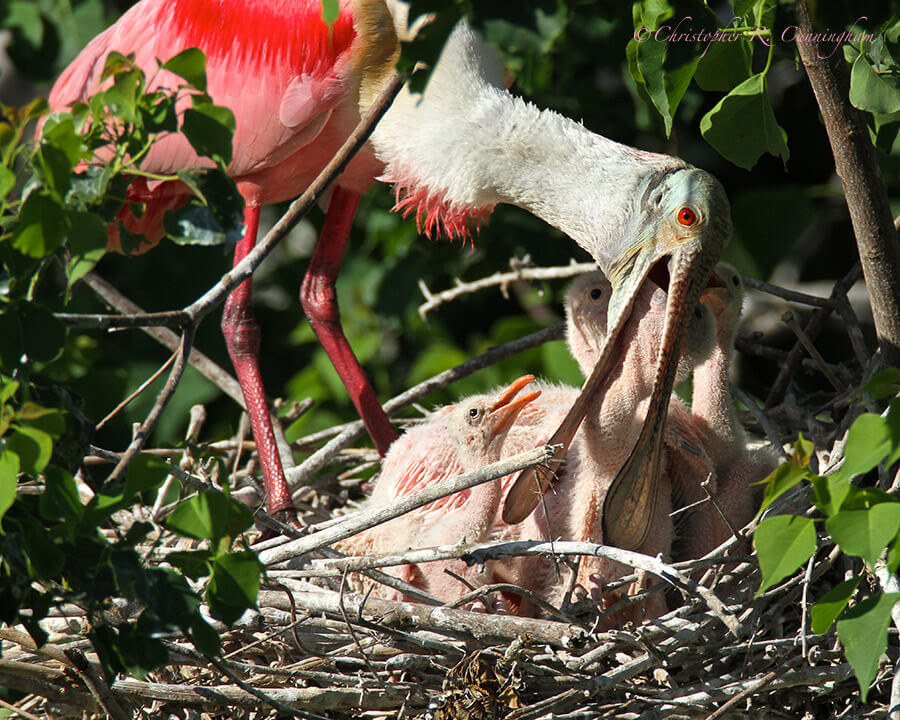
(505, 416)
(511, 391)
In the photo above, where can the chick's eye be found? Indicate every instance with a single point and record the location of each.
(686, 216)
(698, 313)
(735, 280)
(473, 413)
(596, 294)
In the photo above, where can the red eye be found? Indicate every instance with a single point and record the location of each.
(686, 216)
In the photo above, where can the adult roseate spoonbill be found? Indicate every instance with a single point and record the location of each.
(297, 88)
(453, 440)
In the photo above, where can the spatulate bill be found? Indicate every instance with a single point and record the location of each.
(630, 503)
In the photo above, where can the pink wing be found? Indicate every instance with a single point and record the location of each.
(277, 65)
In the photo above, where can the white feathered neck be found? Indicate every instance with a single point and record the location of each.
(468, 144)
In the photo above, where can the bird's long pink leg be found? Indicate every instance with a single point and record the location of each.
(242, 336)
(319, 300)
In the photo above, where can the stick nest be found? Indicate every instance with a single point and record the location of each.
(314, 649)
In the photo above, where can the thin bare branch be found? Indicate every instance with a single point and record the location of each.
(144, 430)
(503, 280)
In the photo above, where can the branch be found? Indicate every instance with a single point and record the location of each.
(794, 296)
(814, 326)
(144, 430)
(857, 166)
(165, 337)
(480, 553)
(504, 280)
(424, 617)
(366, 519)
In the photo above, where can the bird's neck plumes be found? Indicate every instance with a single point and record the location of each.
(466, 144)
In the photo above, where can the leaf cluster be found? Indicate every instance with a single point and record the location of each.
(57, 201)
(863, 521)
(681, 40)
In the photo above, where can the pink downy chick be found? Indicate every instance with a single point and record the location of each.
(737, 466)
(453, 440)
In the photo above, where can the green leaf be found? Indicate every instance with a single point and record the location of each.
(829, 492)
(193, 563)
(210, 515)
(892, 420)
(871, 439)
(59, 131)
(870, 91)
(7, 181)
(234, 585)
(26, 17)
(865, 532)
(651, 13)
(213, 217)
(802, 451)
(8, 388)
(34, 448)
(893, 556)
(9, 470)
(60, 500)
(724, 65)
(158, 113)
(42, 334)
(832, 604)
(782, 479)
(189, 64)
(742, 126)
(139, 653)
(11, 347)
(209, 129)
(87, 238)
(41, 552)
(90, 186)
(885, 383)
(664, 87)
(783, 543)
(50, 420)
(204, 636)
(169, 597)
(331, 11)
(145, 472)
(41, 226)
(863, 633)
